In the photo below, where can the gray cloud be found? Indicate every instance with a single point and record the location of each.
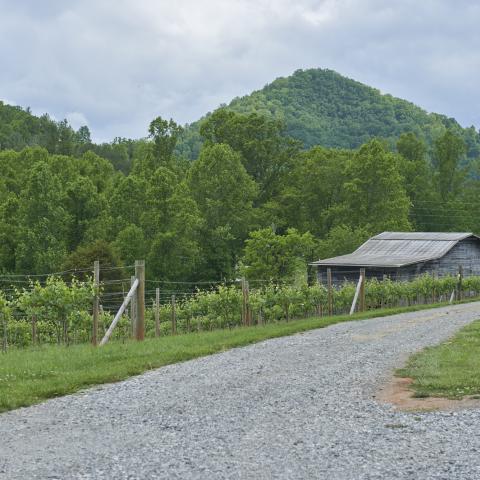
(119, 63)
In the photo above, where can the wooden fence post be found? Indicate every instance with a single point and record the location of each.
(133, 309)
(362, 290)
(157, 312)
(330, 291)
(244, 302)
(96, 301)
(247, 303)
(34, 329)
(4, 343)
(174, 316)
(140, 294)
(460, 282)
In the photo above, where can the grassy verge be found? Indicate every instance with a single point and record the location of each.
(451, 369)
(31, 375)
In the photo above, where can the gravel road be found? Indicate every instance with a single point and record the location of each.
(296, 407)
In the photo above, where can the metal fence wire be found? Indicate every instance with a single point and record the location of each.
(172, 307)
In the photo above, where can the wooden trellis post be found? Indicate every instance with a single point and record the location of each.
(4, 342)
(34, 329)
(157, 312)
(96, 301)
(460, 283)
(140, 276)
(362, 290)
(174, 316)
(133, 309)
(244, 302)
(330, 291)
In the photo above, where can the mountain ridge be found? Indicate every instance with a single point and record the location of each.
(323, 107)
(318, 107)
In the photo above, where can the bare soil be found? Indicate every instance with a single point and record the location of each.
(399, 393)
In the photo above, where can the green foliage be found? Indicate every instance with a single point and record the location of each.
(60, 200)
(58, 305)
(224, 193)
(44, 223)
(165, 136)
(342, 240)
(266, 153)
(375, 195)
(449, 149)
(322, 107)
(84, 256)
(275, 257)
(63, 311)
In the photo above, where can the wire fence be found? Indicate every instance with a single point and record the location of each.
(57, 307)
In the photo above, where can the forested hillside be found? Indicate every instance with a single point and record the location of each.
(20, 129)
(321, 107)
(253, 203)
(258, 197)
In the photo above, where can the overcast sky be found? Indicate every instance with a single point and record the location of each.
(116, 64)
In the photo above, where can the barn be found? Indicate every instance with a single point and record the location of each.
(405, 255)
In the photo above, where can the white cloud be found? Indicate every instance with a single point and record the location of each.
(76, 119)
(120, 63)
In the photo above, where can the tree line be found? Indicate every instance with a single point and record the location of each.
(253, 203)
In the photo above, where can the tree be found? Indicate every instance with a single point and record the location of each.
(266, 153)
(224, 193)
(419, 183)
(449, 150)
(175, 252)
(83, 136)
(84, 205)
(341, 240)
(273, 257)
(127, 201)
(311, 193)
(66, 138)
(375, 196)
(130, 244)
(165, 135)
(84, 256)
(42, 244)
(410, 147)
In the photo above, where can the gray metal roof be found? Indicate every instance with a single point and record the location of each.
(397, 249)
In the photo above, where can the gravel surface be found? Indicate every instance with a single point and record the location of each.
(296, 407)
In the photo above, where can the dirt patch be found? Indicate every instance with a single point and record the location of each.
(399, 393)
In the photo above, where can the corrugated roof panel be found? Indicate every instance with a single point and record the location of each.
(397, 249)
(447, 236)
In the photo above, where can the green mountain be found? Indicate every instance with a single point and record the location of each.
(322, 107)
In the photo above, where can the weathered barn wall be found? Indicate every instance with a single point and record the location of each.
(465, 253)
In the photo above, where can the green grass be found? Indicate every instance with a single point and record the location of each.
(28, 376)
(451, 369)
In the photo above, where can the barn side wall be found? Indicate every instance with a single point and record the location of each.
(465, 253)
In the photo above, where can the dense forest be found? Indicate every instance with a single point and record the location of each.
(254, 201)
(322, 107)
